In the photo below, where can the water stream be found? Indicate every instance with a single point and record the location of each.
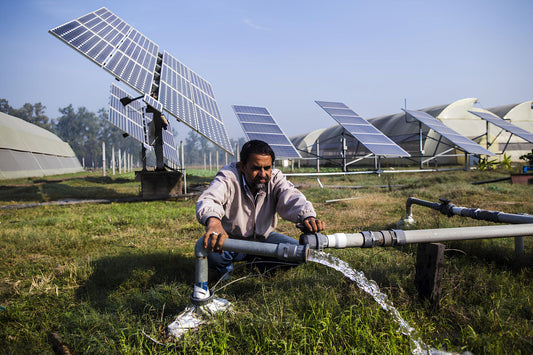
(372, 288)
(194, 316)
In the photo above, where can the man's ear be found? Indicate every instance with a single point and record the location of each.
(240, 166)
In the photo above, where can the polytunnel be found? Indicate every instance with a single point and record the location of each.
(425, 145)
(27, 150)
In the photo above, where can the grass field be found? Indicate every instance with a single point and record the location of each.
(109, 277)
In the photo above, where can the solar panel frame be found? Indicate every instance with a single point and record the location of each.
(369, 136)
(505, 125)
(467, 145)
(258, 123)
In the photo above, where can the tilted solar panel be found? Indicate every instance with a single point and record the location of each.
(368, 135)
(128, 118)
(461, 141)
(169, 147)
(258, 123)
(509, 127)
(189, 98)
(113, 44)
(131, 57)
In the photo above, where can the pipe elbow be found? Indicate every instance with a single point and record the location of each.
(199, 250)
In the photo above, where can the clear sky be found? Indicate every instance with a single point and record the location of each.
(285, 54)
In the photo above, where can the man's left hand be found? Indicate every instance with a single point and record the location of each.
(314, 225)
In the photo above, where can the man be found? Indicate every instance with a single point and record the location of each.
(243, 202)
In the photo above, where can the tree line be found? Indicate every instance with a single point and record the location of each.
(85, 131)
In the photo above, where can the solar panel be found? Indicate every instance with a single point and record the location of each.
(368, 135)
(113, 44)
(189, 98)
(128, 118)
(131, 57)
(258, 123)
(509, 127)
(462, 142)
(169, 147)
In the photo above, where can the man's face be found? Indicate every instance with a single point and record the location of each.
(257, 171)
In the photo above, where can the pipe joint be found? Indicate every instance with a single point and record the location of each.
(388, 237)
(446, 207)
(199, 250)
(292, 252)
(399, 237)
(371, 239)
(315, 241)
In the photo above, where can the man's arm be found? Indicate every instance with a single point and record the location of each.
(215, 235)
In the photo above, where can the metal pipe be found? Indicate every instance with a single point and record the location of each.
(449, 209)
(395, 237)
(281, 251)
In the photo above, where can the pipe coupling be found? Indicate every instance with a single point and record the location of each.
(292, 252)
(399, 237)
(315, 241)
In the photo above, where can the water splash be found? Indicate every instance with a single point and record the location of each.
(193, 316)
(372, 288)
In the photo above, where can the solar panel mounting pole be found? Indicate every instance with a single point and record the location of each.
(143, 156)
(421, 145)
(158, 143)
(343, 151)
(317, 155)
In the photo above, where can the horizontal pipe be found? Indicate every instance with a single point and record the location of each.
(449, 209)
(396, 237)
(467, 233)
(493, 216)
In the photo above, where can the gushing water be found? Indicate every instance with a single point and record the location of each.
(372, 288)
(194, 316)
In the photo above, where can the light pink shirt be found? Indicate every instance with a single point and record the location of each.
(229, 200)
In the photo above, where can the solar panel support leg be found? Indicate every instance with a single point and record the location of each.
(143, 156)
(158, 144)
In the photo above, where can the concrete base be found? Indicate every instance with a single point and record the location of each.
(525, 179)
(160, 183)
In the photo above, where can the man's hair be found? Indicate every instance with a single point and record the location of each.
(256, 147)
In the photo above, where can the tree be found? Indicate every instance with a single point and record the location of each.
(32, 113)
(80, 129)
(195, 146)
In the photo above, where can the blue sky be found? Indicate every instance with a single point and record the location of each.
(283, 55)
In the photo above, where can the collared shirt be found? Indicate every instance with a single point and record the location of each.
(229, 199)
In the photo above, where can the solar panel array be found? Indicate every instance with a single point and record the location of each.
(131, 57)
(509, 127)
(368, 135)
(189, 98)
(128, 118)
(258, 123)
(461, 141)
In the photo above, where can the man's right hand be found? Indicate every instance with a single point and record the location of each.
(215, 235)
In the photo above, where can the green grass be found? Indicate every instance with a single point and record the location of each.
(104, 275)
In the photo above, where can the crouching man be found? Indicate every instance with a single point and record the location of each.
(243, 201)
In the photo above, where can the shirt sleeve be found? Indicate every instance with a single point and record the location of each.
(211, 202)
